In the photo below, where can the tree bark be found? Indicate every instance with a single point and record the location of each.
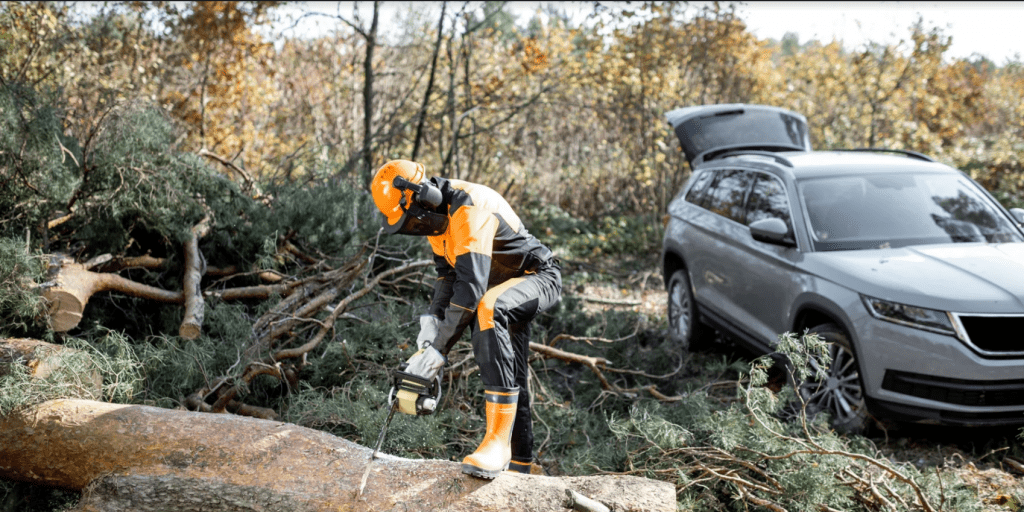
(140, 458)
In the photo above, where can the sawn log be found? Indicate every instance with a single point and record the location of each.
(131, 457)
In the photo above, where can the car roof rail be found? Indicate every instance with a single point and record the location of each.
(905, 152)
(739, 152)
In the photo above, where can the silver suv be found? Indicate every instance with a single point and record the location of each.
(911, 270)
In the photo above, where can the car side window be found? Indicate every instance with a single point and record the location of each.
(728, 193)
(700, 184)
(768, 200)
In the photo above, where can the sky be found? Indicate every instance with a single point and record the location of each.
(990, 29)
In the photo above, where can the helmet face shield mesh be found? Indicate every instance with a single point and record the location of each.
(417, 221)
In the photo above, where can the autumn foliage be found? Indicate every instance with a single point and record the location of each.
(552, 111)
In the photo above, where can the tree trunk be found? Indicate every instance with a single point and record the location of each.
(131, 457)
(430, 86)
(371, 44)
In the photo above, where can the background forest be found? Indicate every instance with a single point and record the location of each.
(129, 129)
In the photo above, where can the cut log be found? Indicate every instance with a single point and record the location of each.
(195, 267)
(46, 359)
(129, 457)
(72, 286)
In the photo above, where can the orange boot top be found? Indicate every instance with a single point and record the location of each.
(494, 452)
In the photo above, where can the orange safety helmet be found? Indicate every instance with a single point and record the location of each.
(401, 193)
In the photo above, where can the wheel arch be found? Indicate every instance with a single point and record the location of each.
(810, 314)
(671, 262)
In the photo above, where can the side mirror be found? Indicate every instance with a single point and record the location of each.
(771, 231)
(1018, 213)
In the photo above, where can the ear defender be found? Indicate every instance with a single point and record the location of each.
(425, 194)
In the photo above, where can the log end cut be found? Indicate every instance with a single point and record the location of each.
(65, 309)
(190, 330)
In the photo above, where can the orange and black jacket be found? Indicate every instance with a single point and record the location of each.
(485, 244)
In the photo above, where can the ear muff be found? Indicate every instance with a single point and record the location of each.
(418, 217)
(425, 193)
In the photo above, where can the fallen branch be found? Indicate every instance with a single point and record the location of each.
(611, 302)
(48, 361)
(595, 364)
(305, 301)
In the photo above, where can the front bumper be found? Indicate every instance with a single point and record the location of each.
(914, 375)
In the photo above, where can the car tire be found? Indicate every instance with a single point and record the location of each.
(684, 322)
(841, 394)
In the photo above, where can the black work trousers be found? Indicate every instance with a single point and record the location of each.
(501, 341)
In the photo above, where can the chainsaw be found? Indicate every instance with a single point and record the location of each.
(410, 394)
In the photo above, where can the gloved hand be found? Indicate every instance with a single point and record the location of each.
(428, 330)
(425, 363)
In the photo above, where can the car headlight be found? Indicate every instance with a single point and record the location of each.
(912, 316)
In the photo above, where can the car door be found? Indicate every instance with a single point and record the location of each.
(768, 280)
(714, 244)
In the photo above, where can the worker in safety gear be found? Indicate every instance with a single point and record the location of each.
(492, 276)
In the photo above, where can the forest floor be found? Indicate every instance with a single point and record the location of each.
(991, 460)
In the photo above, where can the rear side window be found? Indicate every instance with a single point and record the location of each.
(728, 193)
(700, 184)
(768, 200)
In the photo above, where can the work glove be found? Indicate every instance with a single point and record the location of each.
(425, 363)
(428, 331)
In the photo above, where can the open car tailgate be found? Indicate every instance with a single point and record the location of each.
(708, 130)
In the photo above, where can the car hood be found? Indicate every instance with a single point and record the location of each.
(965, 278)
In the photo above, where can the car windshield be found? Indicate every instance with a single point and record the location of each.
(894, 210)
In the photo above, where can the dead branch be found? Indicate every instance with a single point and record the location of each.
(611, 302)
(60, 220)
(119, 264)
(595, 364)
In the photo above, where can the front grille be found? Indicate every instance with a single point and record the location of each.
(995, 334)
(956, 391)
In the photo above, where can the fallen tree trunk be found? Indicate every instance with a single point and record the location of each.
(129, 457)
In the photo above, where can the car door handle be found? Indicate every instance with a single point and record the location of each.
(712, 278)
